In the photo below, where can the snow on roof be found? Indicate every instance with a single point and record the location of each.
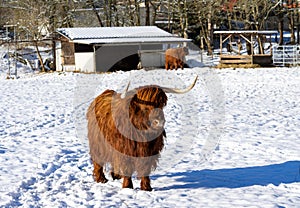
(131, 40)
(263, 32)
(94, 35)
(112, 32)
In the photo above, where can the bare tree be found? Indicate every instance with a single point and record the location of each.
(38, 19)
(93, 4)
(155, 7)
(207, 12)
(253, 13)
(292, 7)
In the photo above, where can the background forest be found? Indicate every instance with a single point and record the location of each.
(37, 20)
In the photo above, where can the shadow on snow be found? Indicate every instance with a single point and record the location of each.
(288, 172)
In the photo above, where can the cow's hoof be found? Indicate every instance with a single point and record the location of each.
(145, 184)
(115, 176)
(100, 179)
(127, 183)
(146, 188)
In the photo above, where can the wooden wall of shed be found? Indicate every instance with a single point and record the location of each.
(67, 52)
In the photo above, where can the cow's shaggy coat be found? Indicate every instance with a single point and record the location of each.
(128, 133)
(175, 58)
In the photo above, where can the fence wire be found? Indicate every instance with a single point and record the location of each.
(287, 55)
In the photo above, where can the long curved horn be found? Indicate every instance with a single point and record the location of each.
(180, 91)
(123, 95)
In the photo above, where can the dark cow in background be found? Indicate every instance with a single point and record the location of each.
(175, 57)
(127, 131)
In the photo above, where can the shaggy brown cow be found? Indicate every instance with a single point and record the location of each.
(175, 57)
(127, 131)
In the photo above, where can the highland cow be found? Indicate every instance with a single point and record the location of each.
(127, 131)
(175, 57)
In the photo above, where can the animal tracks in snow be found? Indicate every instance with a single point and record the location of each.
(44, 159)
(54, 179)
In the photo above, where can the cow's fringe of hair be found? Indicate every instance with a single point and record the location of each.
(108, 145)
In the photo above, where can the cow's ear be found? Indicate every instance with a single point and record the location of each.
(133, 103)
(133, 98)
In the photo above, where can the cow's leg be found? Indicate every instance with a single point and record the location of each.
(171, 66)
(166, 66)
(127, 182)
(98, 173)
(115, 176)
(176, 65)
(145, 184)
(180, 64)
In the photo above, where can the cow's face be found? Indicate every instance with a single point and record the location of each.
(148, 104)
(186, 50)
(153, 118)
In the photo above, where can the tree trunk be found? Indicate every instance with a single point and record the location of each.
(186, 21)
(169, 16)
(54, 53)
(147, 20)
(298, 28)
(92, 3)
(209, 33)
(137, 13)
(39, 56)
(291, 26)
(107, 13)
(154, 13)
(129, 12)
(280, 28)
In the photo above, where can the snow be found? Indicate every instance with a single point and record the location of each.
(233, 141)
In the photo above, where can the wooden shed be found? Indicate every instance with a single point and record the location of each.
(253, 40)
(102, 49)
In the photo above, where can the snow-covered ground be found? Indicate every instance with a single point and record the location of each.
(233, 141)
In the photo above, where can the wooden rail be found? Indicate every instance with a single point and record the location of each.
(236, 59)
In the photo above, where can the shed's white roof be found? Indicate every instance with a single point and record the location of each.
(113, 35)
(262, 32)
(121, 41)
